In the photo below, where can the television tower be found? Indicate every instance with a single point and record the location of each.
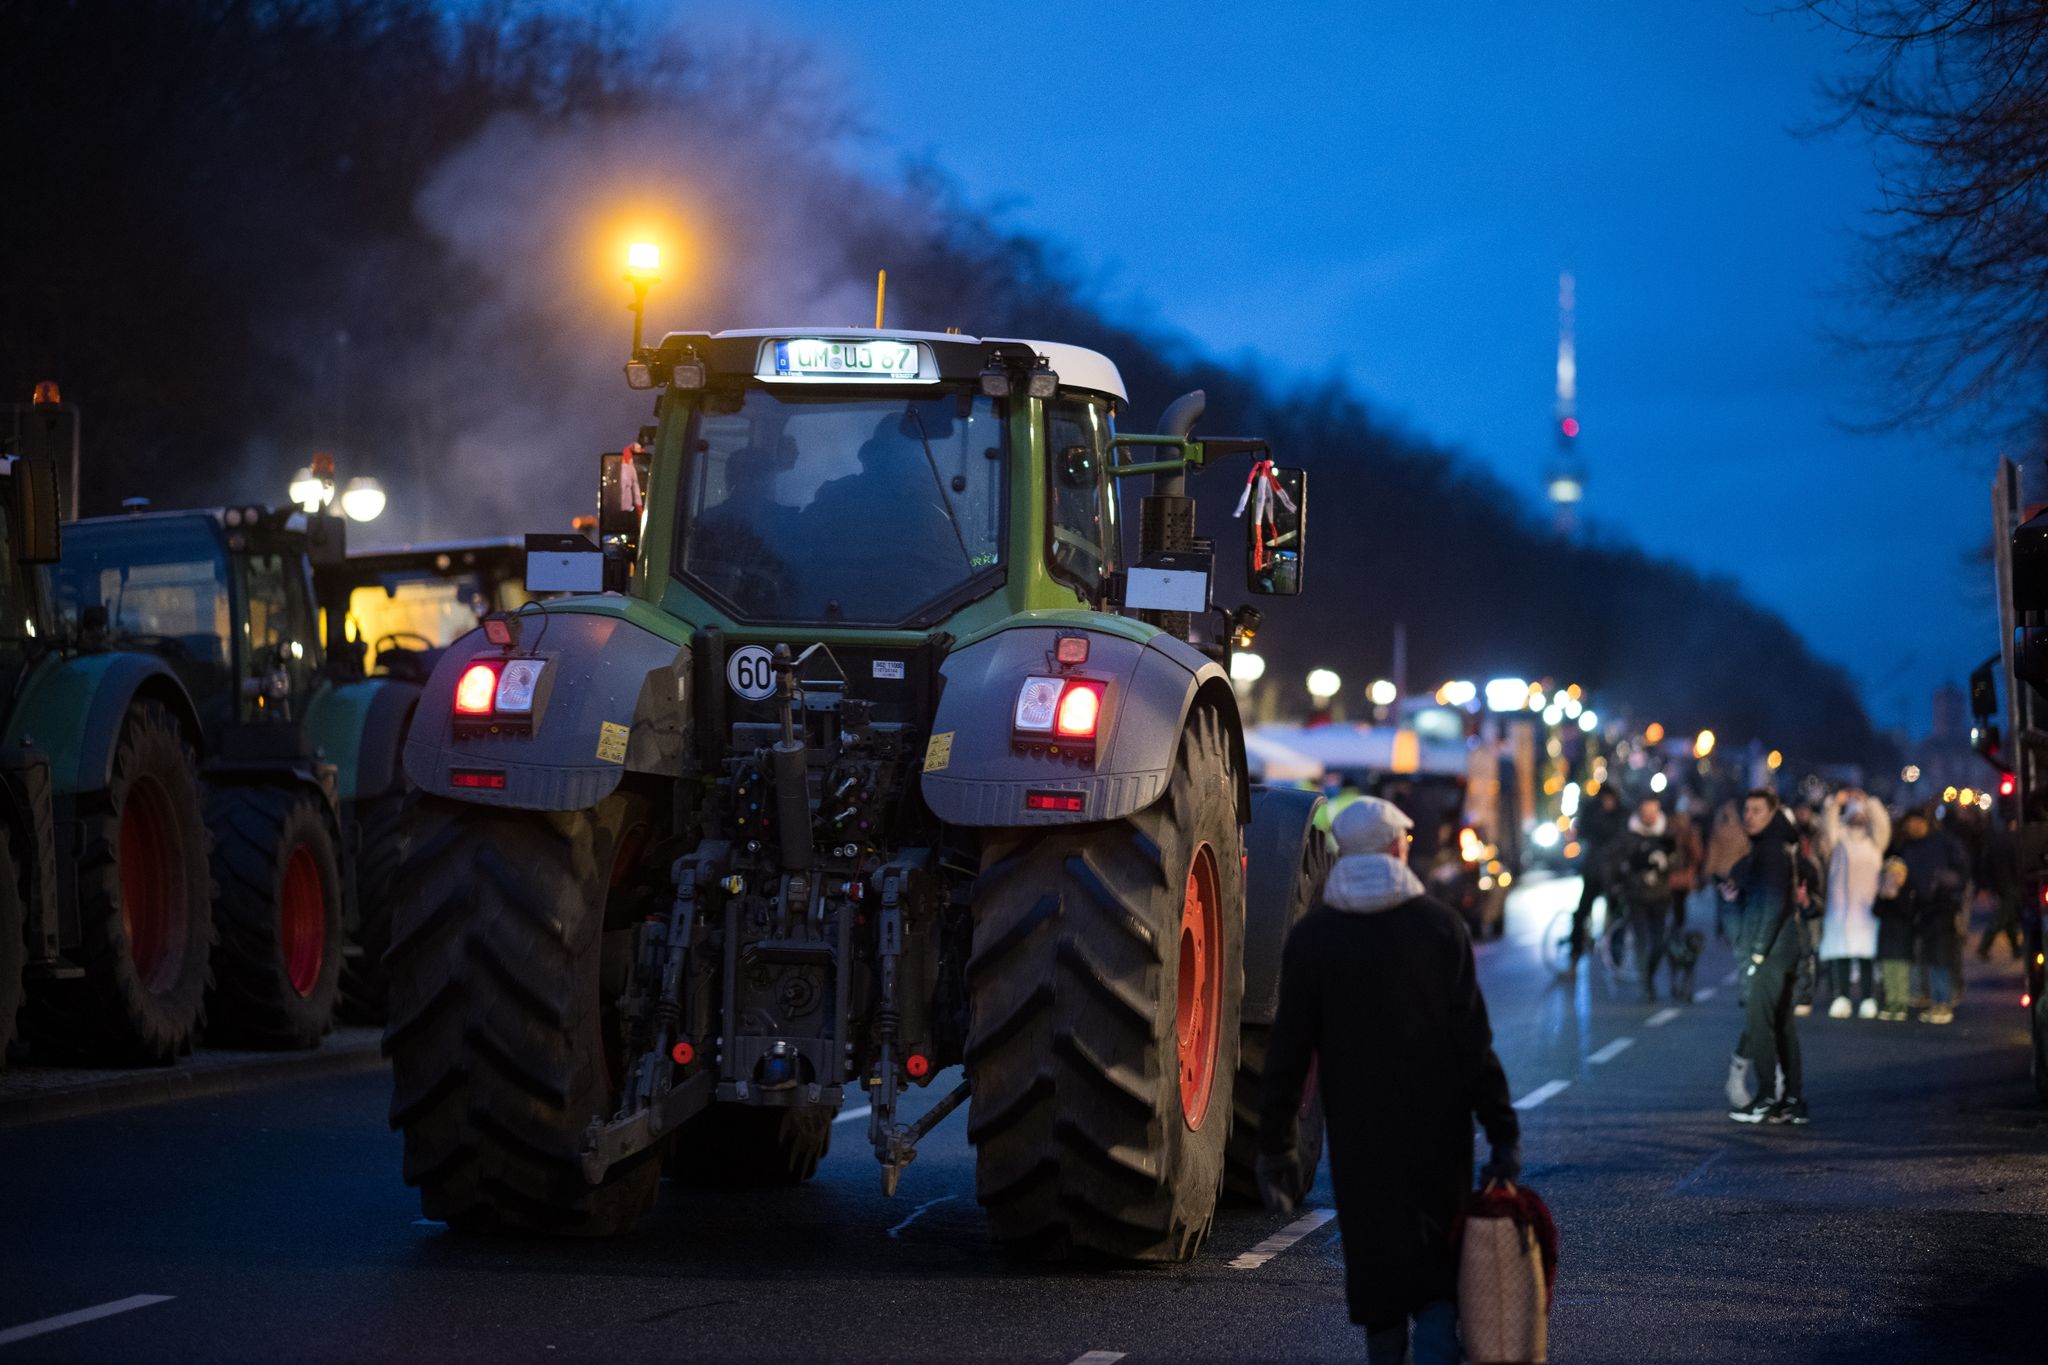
(1567, 479)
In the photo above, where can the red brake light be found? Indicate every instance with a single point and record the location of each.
(475, 690)
(1080, 706)
(2006, 785)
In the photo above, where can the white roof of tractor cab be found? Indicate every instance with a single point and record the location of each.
(1077, 366)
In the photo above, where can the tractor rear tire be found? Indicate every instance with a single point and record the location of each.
(277, 969)
(503, 967)
(752, 1146)
(380, 850)
(13, 944)
(145, 908)
(1105, 988)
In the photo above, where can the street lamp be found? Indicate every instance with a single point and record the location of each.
(643, 268)
(1703, 744)
(1507, 694)
(362, 500)
(1247, 667)
(1383, 692)
(1324, 684)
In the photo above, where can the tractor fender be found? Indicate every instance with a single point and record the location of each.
(1283, 821)
(359, 727)
(72, 709)
(978, 771)
(614, 699)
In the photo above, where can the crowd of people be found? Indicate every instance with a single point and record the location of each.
(1829, 904)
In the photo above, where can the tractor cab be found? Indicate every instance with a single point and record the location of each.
(390, 612)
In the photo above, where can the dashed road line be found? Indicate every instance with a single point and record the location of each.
(852, 1115)
(1704, 994)
(1611, 1051)
(1663, 1017)
(1099, 1358)
(1279, 1241)
(1541, 1093)
(83, 1315)
(918, 1213)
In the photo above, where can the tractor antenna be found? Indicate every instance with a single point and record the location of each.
(881, 292)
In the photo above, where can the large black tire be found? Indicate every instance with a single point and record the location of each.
(502, 968)
(380, 849)
(1240, 1178)
(13, 945)
(277, 907)
(752, 1146)
(145, 908)
(1082, 1139)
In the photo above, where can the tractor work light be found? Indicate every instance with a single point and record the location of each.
(1071, 649)
(639, 375)
(995, 382)
(475, 690)
(1042, 382)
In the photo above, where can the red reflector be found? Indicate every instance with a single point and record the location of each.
(489, 779)
(1072, 649)
(1080, 706)
(918, 1065)
(2005, 785)
(498, 631)
(1072, 803)
(682, 1052)
(475, 690)
(2026, 1002)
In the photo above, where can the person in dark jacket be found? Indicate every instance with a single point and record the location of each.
(1769, 942)
(1378, 986)
(1601, 828)
(1645, 860)
(1938, 875)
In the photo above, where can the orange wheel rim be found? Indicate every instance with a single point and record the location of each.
(1199, 1000)
(302, 921)
(153, 908)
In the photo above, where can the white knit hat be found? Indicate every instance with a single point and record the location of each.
(1369, 825)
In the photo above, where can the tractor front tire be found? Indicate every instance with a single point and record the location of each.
(380, 850)
(1105, 988)
(145, 908)
(277, 969)
(13, 944)
(753, 1146)
(1240, 1179)
(501, 970)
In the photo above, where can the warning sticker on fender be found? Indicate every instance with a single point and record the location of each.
(939, 752)
(611, 742)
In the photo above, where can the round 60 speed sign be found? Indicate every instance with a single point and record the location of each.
(751, 671)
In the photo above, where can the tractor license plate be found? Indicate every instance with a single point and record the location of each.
(809, 358)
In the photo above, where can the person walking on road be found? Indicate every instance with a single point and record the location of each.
(1601, 829)
(1378, 986)
(2000, 879)
(1727, 845)
(1769, 941)
(1894, 911)
(1647, 855)
(1938, 875)
(1856, 831)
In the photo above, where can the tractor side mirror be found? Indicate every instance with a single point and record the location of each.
(1276, 525)
(326, 540)
(619, 498)
(1984, 690)
(36, 513)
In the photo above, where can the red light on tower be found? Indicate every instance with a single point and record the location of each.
(1569, 426)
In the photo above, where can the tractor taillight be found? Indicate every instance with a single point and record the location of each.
(475, 690)
(1080, 707)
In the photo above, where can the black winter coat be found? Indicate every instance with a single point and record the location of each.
(1388, 1003)
(1763, 881)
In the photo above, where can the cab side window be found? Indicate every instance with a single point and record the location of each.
(1081, 506)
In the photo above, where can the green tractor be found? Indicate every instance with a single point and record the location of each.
(105, 895)
(884, 761)
(302, 782)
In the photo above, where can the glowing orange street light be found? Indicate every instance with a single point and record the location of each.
(643, 268)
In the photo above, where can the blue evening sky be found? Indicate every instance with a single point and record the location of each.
(1389, 190)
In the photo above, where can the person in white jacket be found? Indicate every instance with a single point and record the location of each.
(1855, 829)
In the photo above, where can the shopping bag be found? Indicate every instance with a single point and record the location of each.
(1507, 1267)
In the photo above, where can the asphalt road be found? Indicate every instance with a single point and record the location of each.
(1909, 1223)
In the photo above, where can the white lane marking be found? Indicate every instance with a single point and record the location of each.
(1542, 1093)
(1704, 994)
(1662, 1017)
(1611, 1051)
(83, 1315)
(852, 1114)
(1099, 1358)
(1281, 1240)
(918, 1213)
(428, 1223)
